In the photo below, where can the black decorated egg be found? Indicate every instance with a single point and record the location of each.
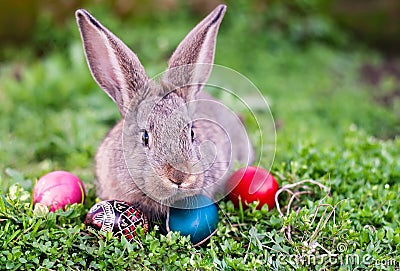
(118, 217)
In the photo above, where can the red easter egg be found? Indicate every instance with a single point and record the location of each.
(118, 217)
(58, 189)
(252, 184)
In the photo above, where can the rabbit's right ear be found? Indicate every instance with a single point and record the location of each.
(193, 59)
(113, 65)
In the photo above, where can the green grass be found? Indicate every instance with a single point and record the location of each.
(357, 223)
(53, 116)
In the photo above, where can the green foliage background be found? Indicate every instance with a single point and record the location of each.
(330, 128)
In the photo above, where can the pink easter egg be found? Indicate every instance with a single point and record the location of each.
(57, 189)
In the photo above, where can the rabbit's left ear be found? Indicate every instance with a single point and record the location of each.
(198, 47)
(116, 69)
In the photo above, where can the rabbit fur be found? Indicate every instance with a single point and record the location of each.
(170, 143)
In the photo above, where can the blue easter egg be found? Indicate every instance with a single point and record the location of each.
(196, 216)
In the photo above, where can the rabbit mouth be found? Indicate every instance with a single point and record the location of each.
(188, 183)
(180, 190)
(183, 187)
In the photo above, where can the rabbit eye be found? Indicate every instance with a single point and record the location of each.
(192, 134)
(145, 138)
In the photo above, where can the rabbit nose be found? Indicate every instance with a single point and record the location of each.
(176, 176)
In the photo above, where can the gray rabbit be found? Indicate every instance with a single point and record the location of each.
(174, 140)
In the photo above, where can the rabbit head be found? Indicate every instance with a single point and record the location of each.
(162, 154)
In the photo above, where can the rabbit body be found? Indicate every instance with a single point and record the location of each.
(174, 141)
